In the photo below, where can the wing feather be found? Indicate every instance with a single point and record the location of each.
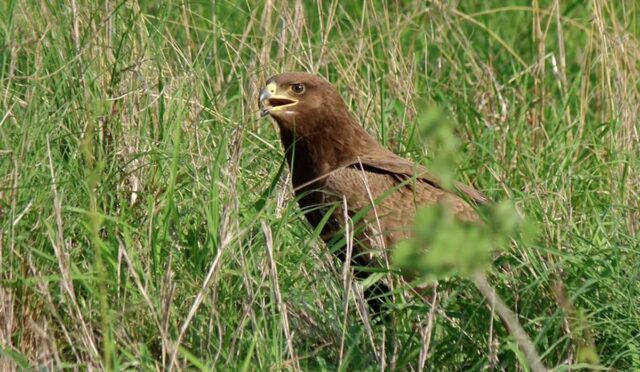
(387, 161)
(384, 206)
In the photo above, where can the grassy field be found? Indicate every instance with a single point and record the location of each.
(147, 222)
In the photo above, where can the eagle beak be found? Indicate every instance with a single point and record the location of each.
(270, 101)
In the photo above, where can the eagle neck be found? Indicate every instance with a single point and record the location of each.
(323, 147)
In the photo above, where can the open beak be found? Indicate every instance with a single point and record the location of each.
(270, 101)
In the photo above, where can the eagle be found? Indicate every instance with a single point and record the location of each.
(347, 182)
(341, 174)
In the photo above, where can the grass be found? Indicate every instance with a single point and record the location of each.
(146, 219)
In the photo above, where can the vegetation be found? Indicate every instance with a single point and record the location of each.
(146, 219)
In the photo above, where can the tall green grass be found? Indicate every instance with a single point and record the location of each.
(146, 219)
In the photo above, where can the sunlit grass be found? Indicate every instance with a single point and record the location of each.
(146, 220)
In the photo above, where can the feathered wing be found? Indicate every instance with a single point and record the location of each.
(387, 161)
(381, 205)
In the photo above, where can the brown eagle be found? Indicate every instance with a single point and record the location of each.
(335, 164)
(341, 172)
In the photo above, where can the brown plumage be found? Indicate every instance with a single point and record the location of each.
(334, 161)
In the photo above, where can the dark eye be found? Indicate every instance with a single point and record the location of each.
(297, 88)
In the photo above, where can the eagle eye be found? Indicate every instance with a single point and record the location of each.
(297, 88)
